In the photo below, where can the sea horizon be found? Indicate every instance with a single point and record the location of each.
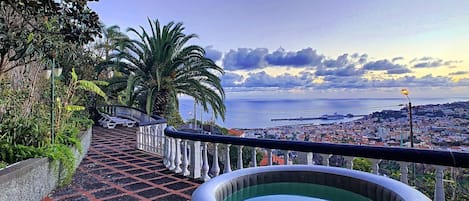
(250, 113)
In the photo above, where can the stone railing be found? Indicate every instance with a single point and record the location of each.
(188, 154)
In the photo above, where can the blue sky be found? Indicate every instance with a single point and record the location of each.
(322, 49)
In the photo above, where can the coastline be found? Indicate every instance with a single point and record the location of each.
(253, 113)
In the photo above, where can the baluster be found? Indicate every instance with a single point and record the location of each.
(205, 167)
(286, 157)
(348, 162)
(145, 139)
(195, 166)
(324, 159)
(375, 165)
(240, 157)
(254, 157)
(166, 152)
(172, 164)
(185, 162)
(156, 129)
(215, 168)
(404, 172)
(161, 134)
(158, 138)
(309, 158)
(439, 186)
(269, 155)
(153, 138)
(178, 157)
(139, 136)
(227, 160)
(329, 159)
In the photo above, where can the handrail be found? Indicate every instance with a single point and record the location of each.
(435, 157)
(134, 113)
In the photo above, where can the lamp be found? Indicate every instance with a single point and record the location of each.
(405, 92)
(51, 74)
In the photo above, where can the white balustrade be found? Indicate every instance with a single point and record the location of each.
(189, 158)
(309, 158)
(269, 155)
(404, 168)
(185, 161)
(172, 158)
(195, 160)
(439, 194)
(150, 138)
(205, 166)
(286, 157)
(348, 162)
(375, 165)
(178, 157)
(240, 157)
(254, 157)
(215, 167)
(227, 160)
(324, 159)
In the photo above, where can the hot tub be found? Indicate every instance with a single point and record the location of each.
(305, 183)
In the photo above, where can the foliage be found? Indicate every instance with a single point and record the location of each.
(24, 131)
(55, 152)
(156, 67)
(66, 103)
(247, 156)
(26, 25)
(362, 164)
(23, 137)
(3, 164)
(63, 154)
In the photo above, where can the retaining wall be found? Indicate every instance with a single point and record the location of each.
(33, 179)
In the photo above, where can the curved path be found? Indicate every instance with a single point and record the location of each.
(115, 170)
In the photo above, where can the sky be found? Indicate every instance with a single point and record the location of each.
(320, 49)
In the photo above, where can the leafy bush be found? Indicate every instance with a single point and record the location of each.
(24, 131)
(3, 164)
(362, 164)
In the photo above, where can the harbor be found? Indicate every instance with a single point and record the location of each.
(334, 116)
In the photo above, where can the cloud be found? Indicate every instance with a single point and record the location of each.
(386, 65)
(304, 57)
(336, 82)
(231, 79)
(284, 81)
(349, 70)
(459, 73)
(341, 61)
(406, 81)
(430, 62)
(212, 54)
(245, 59)
(363, 59)
(397, 59)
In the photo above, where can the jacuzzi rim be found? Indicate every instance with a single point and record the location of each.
(207, 191)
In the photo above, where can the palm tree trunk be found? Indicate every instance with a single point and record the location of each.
(161, 103)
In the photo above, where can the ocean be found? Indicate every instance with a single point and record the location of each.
(255, 113)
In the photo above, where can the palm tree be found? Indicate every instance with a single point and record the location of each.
(159, 66)
(112, 39)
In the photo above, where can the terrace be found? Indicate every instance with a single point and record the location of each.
(154, 163)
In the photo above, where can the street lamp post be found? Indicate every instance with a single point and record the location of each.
(405, 92)
(52, 102)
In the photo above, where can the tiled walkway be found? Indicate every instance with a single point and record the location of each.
(115, 170)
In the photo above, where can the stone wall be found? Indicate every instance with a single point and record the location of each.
(33, 179)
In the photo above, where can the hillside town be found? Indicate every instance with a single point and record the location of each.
(439, 126)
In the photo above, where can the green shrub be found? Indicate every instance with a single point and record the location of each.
(3, 164)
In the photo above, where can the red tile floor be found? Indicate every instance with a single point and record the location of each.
(114, 170)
